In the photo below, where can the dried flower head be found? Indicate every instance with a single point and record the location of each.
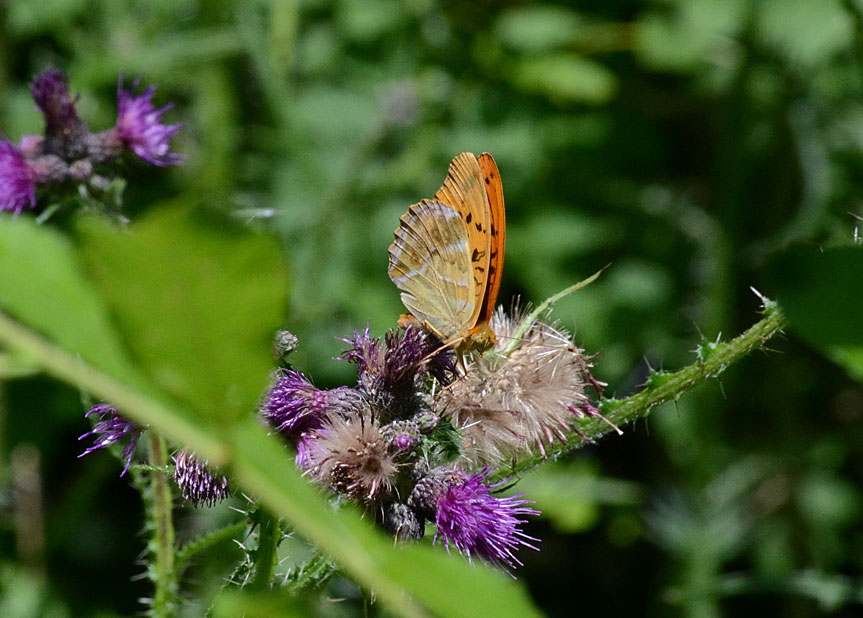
(198, 484)
(139, 126)
(17, 179)
(505, 406)
(470, 518)
(110, 428)
(351, 456)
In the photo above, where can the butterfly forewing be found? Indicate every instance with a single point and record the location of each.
(464, 190)
(497, 233)
(430, 263)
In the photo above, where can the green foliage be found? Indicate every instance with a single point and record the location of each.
(820, 290)
(197, 302)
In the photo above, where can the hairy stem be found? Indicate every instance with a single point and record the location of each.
(162, 544)
(269, 535)
(661, 386)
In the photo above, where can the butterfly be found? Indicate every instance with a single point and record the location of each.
(447, 256)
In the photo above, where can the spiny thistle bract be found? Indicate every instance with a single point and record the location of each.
(198, 483)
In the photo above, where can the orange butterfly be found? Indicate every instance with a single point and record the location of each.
(447, 256)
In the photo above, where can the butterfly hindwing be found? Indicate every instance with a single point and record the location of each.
(430, 264)
(464, 190)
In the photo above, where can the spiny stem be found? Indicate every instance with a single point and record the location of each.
(160, 514)
(714, 358)
(269, 535)
(188, 551)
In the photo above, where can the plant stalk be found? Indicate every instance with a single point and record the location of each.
(714, 359)
(162, 544)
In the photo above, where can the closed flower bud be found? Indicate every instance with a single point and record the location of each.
(403, 522)
(402, 436)
(197, 482)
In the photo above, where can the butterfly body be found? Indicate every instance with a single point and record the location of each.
(448, 252)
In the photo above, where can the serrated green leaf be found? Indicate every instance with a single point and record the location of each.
(197, 300)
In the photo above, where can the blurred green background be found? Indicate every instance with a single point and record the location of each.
(686, 142)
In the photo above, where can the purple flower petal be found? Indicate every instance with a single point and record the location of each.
(17, 179)
(478, 523)
(110, 428)
(140, 129)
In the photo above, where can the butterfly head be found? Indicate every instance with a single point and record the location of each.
(480, 339)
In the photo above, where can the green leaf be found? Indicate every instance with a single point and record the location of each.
(233, 603)
(43, 285)
(570, 495)
(538, 28)
(197, 301)
(820, 292)
(567, 78)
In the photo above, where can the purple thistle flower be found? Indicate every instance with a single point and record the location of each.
(476, 522)
(197, 482)
(140, 129)
(17, 179)
(365, 353)
(114, 427)
(297, 409)
(64, 130)
(389, 374)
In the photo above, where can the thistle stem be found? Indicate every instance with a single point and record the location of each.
(714, 358)
(160, 514)
(265, 556)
